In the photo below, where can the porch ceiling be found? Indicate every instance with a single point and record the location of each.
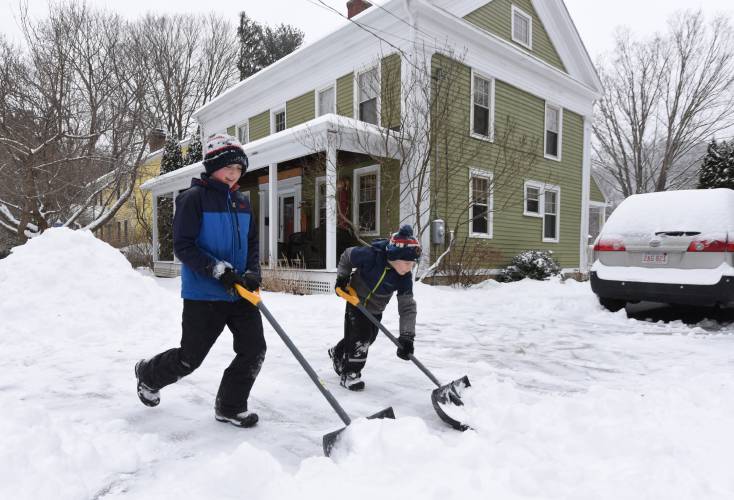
(302, 140)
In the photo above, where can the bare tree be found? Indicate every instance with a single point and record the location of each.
(191, 60)
(419, 136)
(73, 123)
(664, 97)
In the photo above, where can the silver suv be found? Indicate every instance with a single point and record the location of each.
(675, 247)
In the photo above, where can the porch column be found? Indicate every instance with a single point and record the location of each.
(331, 211)
(156, 253)
(274, 218)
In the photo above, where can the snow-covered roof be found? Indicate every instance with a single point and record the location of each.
(302, 140)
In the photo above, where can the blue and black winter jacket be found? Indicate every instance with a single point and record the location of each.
(375, 282)
(212, 224)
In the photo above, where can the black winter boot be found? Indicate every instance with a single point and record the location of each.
(148, 396)
(352, 381)
(243, 419)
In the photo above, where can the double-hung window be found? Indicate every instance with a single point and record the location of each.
(367, 199)
(553, 131)
(482, 103)
(368, 91)
(326, 101)
(480, 208)
(544, 201)
(279, 120)
(550, 215)
(243, 134)
(532, 199)
(522, 28)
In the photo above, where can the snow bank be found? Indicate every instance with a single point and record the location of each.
(702, 210)
(567, 401)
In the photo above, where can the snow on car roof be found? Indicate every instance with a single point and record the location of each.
(700, 210)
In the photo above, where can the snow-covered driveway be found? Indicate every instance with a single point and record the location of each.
(569, 401)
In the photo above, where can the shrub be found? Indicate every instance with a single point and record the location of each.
(533, 264)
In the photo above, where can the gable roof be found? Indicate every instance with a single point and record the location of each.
(560, 28)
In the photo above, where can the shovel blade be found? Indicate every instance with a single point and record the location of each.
(450, 394)
(331, 439)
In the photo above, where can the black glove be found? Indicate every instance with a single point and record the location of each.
(229, 278)
(252, 280)
(342, 281)
(405, 349)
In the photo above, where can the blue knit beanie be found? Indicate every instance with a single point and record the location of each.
(403, 245)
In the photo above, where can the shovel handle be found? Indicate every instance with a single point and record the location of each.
(350, 296)
(251, 297)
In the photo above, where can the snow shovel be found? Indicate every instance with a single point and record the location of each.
(331, 438)
(444, 394)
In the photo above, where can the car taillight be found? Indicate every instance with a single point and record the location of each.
(710, 245)
(609, 245)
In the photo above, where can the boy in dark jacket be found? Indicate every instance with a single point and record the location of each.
(215, 238)
(379, 271)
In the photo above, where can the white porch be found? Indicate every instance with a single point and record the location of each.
(327, 134)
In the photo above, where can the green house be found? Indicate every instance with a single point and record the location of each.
(469, 119)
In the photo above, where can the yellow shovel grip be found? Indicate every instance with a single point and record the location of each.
(350, 297)
(252, 297)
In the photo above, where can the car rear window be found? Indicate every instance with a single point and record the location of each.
(699, 210)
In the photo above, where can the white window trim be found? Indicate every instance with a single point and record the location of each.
(275, 111)
(489, 138)
(539, 187)
(477, 172)
(358, 172)
(557, 190)
(519, 11)
(319, 180)
(246, 123)
(560, 132)
(355, 92)
(331, 85)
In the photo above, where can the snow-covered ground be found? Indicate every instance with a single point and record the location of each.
(568, 401)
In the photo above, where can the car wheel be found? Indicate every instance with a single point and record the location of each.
(612, 305)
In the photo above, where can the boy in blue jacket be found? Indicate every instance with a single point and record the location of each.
(376, 273)
(215, 238)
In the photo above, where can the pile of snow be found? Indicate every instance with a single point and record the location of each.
(567, 401)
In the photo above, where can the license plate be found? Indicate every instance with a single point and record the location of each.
(655, 258)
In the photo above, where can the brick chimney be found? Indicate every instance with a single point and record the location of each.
(354, 7)
(156, 139)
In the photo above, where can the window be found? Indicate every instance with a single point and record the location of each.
(118, 230)
(550, 215)
(480, 191)
(553, 129)
(482, 103)
(543, 201)
(279, 120)
(326, 101)
(320, 215)
(368, 91)
(243, 133)
(532, 199)
(367, 199)
(522, 28)
(124, 228)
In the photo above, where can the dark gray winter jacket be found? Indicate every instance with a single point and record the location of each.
(375, 281)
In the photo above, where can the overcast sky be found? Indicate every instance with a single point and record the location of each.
(595, 20)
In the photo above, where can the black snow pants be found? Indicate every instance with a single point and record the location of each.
(202, 323)
(359, 335)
